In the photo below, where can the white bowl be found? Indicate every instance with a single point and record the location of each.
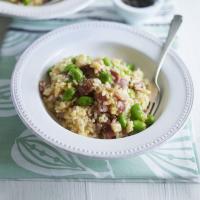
(59, 9)
(134, 15)
(100, 39)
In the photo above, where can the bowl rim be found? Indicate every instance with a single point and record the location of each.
(49, 11)
(149, 9)
(113, 154)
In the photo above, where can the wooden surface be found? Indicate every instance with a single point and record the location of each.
(97, 191)
(189, 44)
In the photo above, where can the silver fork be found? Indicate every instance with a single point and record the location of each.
(154, 87)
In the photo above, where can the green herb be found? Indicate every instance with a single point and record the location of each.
(69, 67)
(69, 94)
(26, 2)
(150, 120)
(107, 61)
(105, 77)
(122, 120)
(76, 74)
(139, 126)
(131, 67)
(137, 113)
(85, 101)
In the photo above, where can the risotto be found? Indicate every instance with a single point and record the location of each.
(97, 97)
(29, 2)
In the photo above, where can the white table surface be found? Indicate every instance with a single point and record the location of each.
(189, 44)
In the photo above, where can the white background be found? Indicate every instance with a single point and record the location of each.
(189, 50)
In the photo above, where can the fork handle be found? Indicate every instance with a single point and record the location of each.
(174, 26)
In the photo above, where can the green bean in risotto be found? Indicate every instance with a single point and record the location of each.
(29, 2)
(97, 97)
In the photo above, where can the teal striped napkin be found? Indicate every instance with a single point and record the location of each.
(25, 156)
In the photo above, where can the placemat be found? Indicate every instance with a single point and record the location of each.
(23, 156)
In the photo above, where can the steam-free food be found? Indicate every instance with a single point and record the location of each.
(97, 97)
(29, 2)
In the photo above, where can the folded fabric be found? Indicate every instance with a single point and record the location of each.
(25, 156)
